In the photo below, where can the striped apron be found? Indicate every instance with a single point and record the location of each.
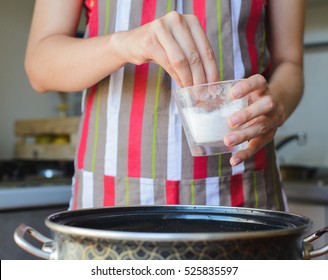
(132, 149)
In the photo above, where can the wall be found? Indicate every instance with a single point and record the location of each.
(311, 116)
(17, 99)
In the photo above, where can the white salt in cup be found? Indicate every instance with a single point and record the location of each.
(204, 110)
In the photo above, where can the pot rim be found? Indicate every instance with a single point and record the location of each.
(171, 237)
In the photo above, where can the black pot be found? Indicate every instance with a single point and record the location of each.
(174, 232)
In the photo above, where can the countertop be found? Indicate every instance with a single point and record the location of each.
(307, 192)
(17, 195)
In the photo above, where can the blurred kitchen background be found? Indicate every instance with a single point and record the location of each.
(37, 138)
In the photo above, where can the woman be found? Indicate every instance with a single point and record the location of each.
(132, 149)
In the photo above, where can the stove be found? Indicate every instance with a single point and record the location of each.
(33, 184)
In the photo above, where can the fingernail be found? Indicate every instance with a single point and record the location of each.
(235, 161)
(234, 121)
(231, 139)
(235, 92)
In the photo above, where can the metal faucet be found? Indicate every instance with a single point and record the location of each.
(301, 139)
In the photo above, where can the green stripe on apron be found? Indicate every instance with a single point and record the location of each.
(94, 154)
(158, 87)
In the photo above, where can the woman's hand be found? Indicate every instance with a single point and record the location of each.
(271, 104)
(176, 42)
(263, 116)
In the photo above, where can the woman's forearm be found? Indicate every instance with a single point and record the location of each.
(286, 31)
(287, 85)
(72, 64)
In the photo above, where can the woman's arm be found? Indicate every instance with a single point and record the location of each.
(286, 45)
(56, 60)
(273, 102)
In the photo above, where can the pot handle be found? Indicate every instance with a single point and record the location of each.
(48, 244)
(309, 252)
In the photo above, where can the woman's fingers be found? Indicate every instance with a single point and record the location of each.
(262, 125)
(204, 48)
(176, 42)
(260, 107)
(160, 56)
(262, 116)
(258, 135)
(188, 51)
(254, 145)
(182, 32)
(254, 84)
(175, 53)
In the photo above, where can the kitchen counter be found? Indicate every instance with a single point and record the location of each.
(34, 193)
(307, 192)
(34, 196)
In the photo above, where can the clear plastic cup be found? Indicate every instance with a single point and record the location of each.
(204, 110)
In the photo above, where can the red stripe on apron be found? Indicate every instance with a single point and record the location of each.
(172, 192)
(251, 32)
(200, 12)
(236, 190)
(136, 118)
(200, 163)
(138, 101)
(200, 167)
(260, 156)
(260, 159)
(92, 6)
(85, 129)
(109, 191)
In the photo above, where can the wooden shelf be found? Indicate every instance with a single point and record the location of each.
(46, 139)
